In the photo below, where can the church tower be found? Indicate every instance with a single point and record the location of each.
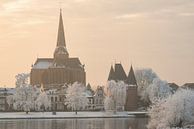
(61, 53)
(59, 70)
(131, 96)
(118, 74)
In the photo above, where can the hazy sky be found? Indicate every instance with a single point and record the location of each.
(157, 34)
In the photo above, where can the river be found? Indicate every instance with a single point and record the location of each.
(94, 123)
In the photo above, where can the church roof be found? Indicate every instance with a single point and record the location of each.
(43, 63)
(131, 80)
(74, 62)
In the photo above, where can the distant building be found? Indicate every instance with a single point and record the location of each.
(57, 98)
(99, 97)
(188, 85)
(4, 92)
(118, 74)
(3, 101)
(90, 96)
(60, 70)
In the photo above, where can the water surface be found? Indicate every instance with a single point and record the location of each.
(94, 123)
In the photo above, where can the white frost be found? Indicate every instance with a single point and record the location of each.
(76, 98)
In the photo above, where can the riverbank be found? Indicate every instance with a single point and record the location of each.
(67, 115)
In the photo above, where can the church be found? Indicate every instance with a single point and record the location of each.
(59, 70)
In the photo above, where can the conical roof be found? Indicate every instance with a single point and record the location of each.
(131, 80)
(120, 74)
(111, 74)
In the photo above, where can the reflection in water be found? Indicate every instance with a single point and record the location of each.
(94, 123)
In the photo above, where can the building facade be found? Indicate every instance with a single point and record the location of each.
(3, 99)
(59, 70)
(4, 93)
(57, 99)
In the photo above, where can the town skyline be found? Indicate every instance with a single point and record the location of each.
(144, 38)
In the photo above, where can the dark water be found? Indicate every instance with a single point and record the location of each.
(97, 123)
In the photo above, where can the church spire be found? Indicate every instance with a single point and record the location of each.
(61, 34)
(61, 53)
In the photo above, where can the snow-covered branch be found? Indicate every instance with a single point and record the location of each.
(43, 102)
(116, 92)
(25, 95)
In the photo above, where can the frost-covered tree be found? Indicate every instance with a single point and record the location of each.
(10, 101)
(150, 86)
(25, 95)
(174, 111)
(108, 104)
(43, 102)
(24, 98)
(155, 113)
(21, 79)
(144, 78)
(158, 90)
(117, 92)
(76, 98)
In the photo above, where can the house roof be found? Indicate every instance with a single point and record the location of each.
(188, 85)
(8, 91)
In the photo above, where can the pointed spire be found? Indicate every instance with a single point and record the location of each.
(131, 80)
(111, 74)
(61, 34)
(61, 53)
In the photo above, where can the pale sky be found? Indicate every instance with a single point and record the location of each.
(157, 34)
